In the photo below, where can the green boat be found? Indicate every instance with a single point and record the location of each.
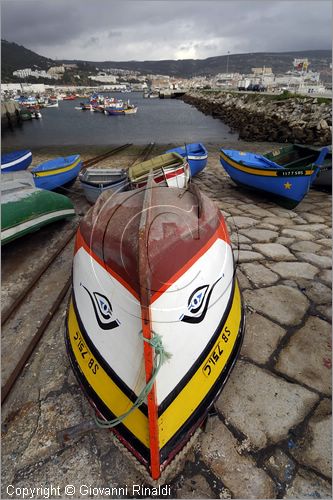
(25, 209)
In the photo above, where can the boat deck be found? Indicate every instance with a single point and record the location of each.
(270, 436)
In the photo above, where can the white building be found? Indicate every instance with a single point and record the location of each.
(103, 78)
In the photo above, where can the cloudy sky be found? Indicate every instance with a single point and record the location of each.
(150, 30)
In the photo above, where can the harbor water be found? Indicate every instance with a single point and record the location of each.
(157, 120)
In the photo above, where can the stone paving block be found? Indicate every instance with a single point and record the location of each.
(275, 301)
(263, 406)
(238, 473)
(326, 311)
(305, 246)
(326, 277)
(283, 212)
(309, 217)
(243, 222)
(307, 357)
(294, 269)
(326, 253)
(327, 242)
(67, 468)
(261, 338)
(279, 221)
(56, 413)
(260, 235)
(311, 227)
(259, 274)
(301, 235)
(242, 280)
(308, 485)
(274, 251)
(266, 226)
(281, 466)
(237, 238)
(195, 487)
(283, 240)
(319, 293)
(247, 256)
(317, 260)
(315, 449)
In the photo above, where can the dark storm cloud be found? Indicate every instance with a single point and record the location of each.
(122, 30)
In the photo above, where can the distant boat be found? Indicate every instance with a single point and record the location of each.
(96, 180)
(170, 169)
(196, 155)
(56, 173)
(285, 174)
(24, 208)
(69, 97)
(17, 160)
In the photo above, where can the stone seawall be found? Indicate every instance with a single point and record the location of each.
(258, 117)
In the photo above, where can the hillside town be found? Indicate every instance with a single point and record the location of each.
(299, 79)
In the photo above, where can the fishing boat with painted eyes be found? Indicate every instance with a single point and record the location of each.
(155, 320)
(285, 174)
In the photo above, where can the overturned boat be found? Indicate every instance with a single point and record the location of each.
(25, 209)
(155, 320)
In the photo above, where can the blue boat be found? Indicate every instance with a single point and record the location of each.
(285, 175)
(18, 160)
(56, 173)
(196, 155)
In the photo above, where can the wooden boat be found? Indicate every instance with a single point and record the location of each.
(25, 209)
(285, 174)
(170, 169)
(96, 180)
(324, 178)
(17, 160)
(196, 155)
(58, 172)
(121, 108)
(69, 97)
(155, 320)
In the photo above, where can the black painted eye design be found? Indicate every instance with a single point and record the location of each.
(102, 309)
(199, 300)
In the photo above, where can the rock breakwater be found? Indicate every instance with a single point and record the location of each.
(258, 117)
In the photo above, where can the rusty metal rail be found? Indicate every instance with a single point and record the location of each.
(96, 159)
(6, 388)
(144, 155)
(19, 299)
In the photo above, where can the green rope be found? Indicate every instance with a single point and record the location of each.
(161, 356)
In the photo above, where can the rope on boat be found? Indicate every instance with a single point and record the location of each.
(161, 356)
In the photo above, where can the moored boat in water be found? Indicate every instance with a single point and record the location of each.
(96, 180)
(196, 155)
(285, 174)
(25, 209)
(155, 320)
(17, 160)
(169, 169)
(57, 172)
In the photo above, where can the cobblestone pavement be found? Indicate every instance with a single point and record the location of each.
(271, 434)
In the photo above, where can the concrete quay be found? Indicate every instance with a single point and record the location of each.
(271, 434)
